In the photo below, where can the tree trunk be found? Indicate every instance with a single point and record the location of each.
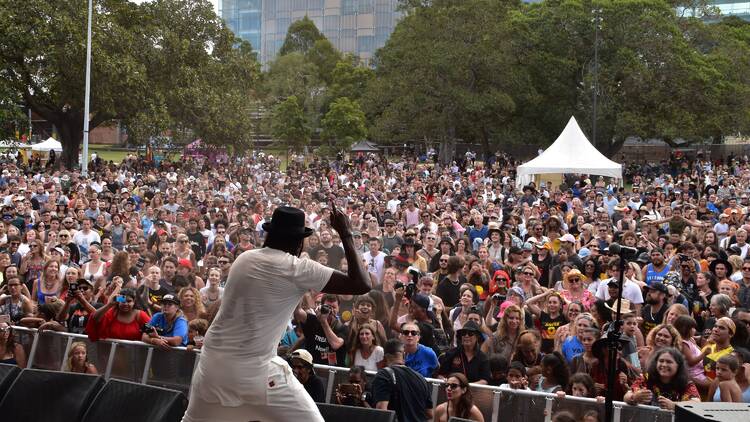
(71, 134)
(485, 144)
(447, 147)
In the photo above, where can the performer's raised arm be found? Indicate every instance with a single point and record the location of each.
(357, 280)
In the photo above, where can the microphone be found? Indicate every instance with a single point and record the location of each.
(618, 249)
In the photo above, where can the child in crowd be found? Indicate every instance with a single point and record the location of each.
(725, 387)
(517, 377)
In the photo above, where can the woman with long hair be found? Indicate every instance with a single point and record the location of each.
(555, 373)
(665, 383)
(78, 359)
(365, 350)
(459, 403)
(190, 303)
(49, 284)
(503, 341)
(674, 311)
(213, 292)
(32, 263)
(658, 338)
(11, 353)
(120, 266)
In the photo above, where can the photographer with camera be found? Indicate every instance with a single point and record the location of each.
(420, 313)
(76, 315)
(324, 334)
(399, 388)
(167, 328)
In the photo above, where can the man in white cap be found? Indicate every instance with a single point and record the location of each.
(239, 377)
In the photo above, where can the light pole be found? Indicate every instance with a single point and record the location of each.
(85, 153)
(597, 20)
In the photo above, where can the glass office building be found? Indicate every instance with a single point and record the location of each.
(352, 26)
(739, 8)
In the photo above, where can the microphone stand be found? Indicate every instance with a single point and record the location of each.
(613, 339)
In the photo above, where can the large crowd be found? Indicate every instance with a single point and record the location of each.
(481, 281)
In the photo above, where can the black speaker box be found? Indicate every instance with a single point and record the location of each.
(713, 412)
(122, 401)
(8, 374)
(50, 396)
(338, 413)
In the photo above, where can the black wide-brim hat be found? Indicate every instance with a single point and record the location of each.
(288, 221)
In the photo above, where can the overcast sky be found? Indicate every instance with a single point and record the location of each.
(215, 3)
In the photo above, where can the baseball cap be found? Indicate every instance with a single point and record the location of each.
(303, 355)
(567, 237)
(170, 298)
(659, 287)
(184, 262)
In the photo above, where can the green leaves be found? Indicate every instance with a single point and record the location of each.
(167, 66)
(344, 123)
(289, 124)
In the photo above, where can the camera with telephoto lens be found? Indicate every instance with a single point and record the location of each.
(325, 309)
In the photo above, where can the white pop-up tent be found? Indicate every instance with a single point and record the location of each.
(49, 145)
(570, 153)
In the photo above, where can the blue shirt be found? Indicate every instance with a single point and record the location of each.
(178, 329)
(478, 233)
(571, 348)
(423, 360)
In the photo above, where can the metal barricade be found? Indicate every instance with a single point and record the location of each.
(140, 362)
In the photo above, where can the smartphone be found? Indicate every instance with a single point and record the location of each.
(120, 299)
(349, 389)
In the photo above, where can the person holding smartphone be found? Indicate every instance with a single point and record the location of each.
(119, 319)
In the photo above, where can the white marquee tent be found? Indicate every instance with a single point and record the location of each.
(570, 153)
(48, 145)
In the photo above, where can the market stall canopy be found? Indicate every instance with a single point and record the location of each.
(10, 143)
(570, 153)
(365, 146)
(51, 144)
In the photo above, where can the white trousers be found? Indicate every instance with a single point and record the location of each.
(287, 400)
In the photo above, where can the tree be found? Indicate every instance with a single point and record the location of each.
(447, 72)
(293, 75)
(289, 125)
(344, 123)
(301, 37)
(174, 57)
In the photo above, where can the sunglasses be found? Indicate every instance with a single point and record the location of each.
(223, 262)
(451, 386)
(528, 273)
(410, 333)
(574, 280)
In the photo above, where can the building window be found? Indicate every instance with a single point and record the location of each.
(348, 7)
(365, 6)
(365, 44)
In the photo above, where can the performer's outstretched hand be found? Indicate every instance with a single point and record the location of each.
(339, 221)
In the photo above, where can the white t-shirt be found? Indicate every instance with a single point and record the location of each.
(630, 291)
(262, 290)
(84, 241)
(371, 363)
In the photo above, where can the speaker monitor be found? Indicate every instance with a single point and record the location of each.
(8, 374)
(337, 413)
(712, 412)
(122, 401)
(50, 396)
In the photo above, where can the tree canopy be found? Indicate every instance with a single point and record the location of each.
(167, 64)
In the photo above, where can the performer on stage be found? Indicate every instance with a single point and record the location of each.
(239, 376)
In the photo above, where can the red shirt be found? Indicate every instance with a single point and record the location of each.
(109, 327)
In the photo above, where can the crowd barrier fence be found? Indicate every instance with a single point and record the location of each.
(143, 363)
